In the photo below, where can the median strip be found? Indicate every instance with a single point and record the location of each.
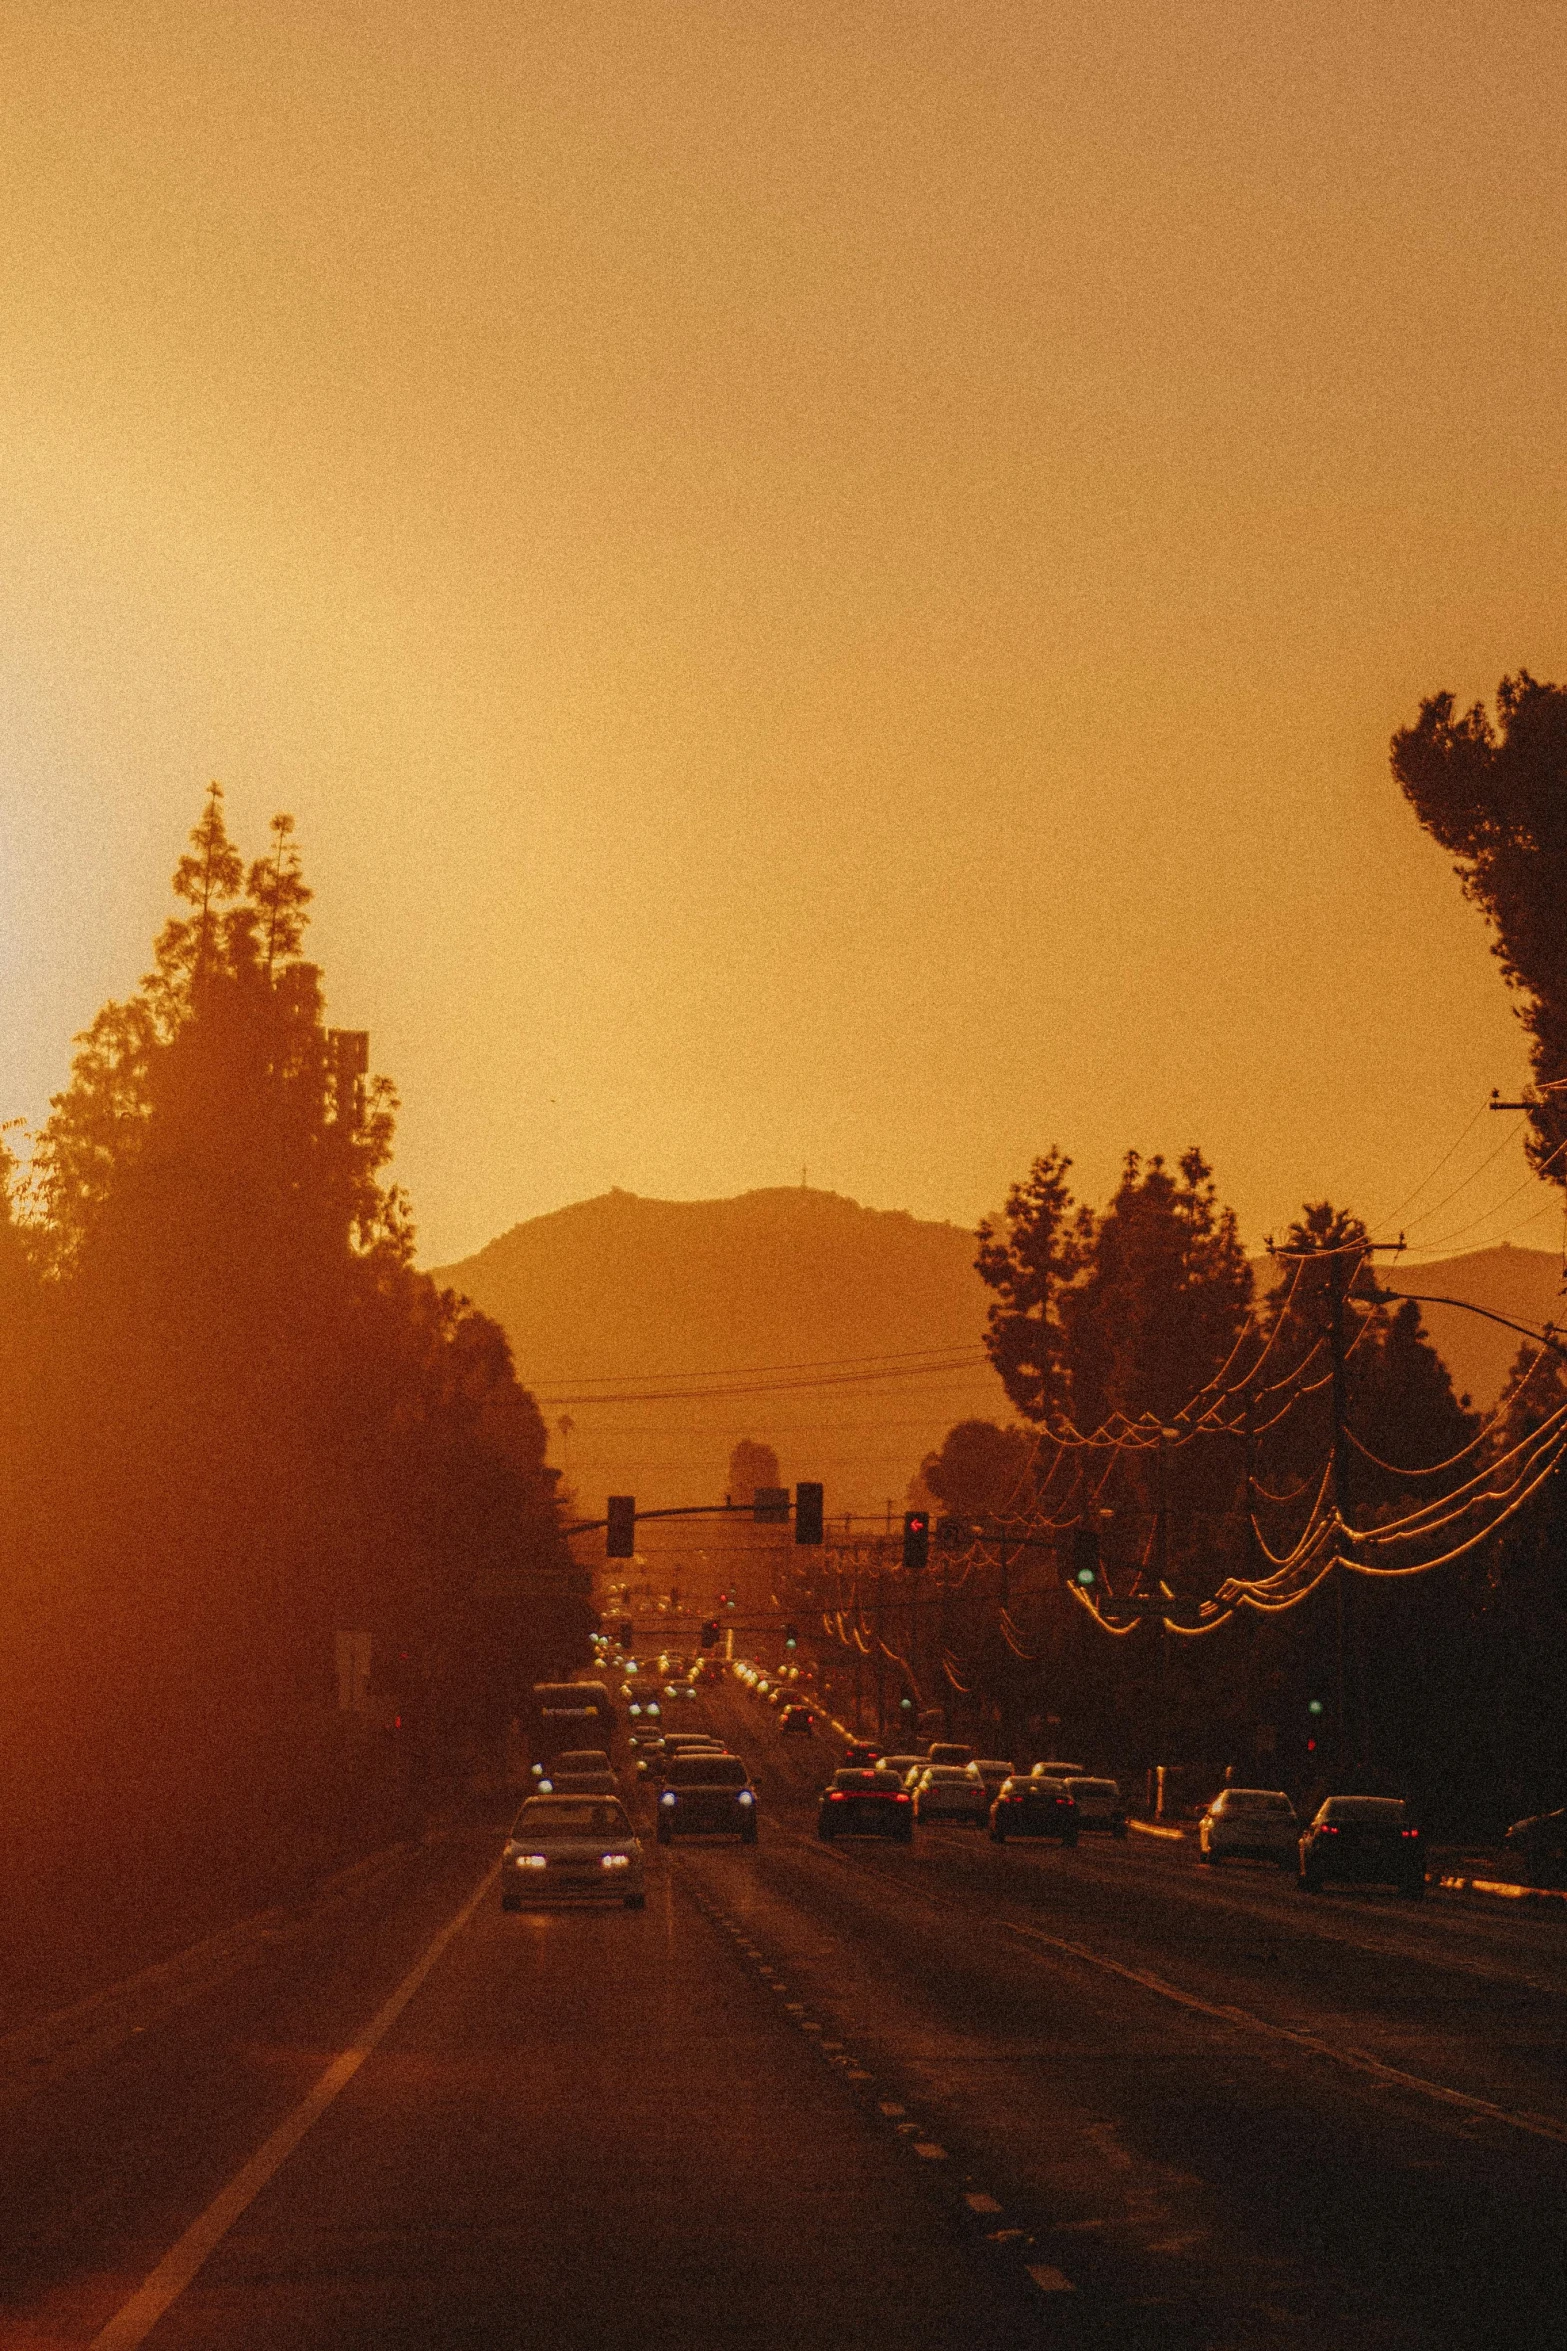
(1503, 1890)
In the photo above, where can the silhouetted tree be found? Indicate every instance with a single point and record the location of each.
(979, 1471)
(751, 1465)
(1030, 1259)
(250, 1423)
(1494, 794)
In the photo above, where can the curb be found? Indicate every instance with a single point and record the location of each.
(1155, 1828)
(1500, 1889)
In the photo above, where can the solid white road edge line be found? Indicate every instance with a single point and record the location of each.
(135, 2319)
(1539, 2126)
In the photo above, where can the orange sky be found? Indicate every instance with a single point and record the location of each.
(828, 584)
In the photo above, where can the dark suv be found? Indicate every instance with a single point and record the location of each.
(1365, 1841)
(706, 1796)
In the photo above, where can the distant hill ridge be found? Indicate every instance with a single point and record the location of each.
(622, 1288)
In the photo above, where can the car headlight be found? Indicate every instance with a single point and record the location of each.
(668, 1797)
(746, 1796)
(537, 1770)
(546, 1787)
(532, 1861)
(614, 1861)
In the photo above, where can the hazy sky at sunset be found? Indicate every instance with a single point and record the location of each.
(828, 583)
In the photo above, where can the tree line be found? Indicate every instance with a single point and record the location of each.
(238, 1423)
(1454, 1681)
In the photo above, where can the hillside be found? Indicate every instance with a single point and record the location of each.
(622, 1289)
(622, 1293)
(1523, 1283)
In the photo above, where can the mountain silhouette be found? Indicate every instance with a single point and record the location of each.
(781, 1286)
(814, 1313)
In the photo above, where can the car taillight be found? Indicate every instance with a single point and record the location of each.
(837, 1797)
(1409, 1832)
(1327, 1829)
(900, 1799)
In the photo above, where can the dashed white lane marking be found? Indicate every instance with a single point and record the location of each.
(931, 2152)
(1539, 2126)
(978, 2201)
(887, 2107)
(1048, 2280)
(135, 2319)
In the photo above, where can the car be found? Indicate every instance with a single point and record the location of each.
(706, 1795)
(1362, 1840)
(865, 1801)
(796, 1722)
(1249, 1824)
(947, 1751)
(1060, 1771)
(572, 1848)
(991, 1772)
(1099, 1804)
(581, 1759)
(862, 1751)
(945, 1791)
(903, 1765)
(1027, 1806)
(687, 1742)
(1538, 1846)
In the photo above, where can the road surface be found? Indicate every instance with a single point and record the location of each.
(851, 2096)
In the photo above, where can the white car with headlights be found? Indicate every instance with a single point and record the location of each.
(572, 1848)
(1249, 1824)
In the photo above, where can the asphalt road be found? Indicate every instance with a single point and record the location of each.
(852, 2096)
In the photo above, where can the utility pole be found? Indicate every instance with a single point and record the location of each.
(881, 1649)
(859, 1654)
(1338, 1294)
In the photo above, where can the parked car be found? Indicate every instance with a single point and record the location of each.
(1027, 1806)
(866, 1803)
(1250, 1824)
(1539, 1847)
(946, 1791)
(1363, 1840)
(1100, 1804)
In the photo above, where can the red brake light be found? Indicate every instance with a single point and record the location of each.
(837, 1796)
(1328, 1828)
(1409, 1832)
(901, 1798)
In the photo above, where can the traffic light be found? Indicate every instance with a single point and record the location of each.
(1085, 1556)
(808, 1513)
(791, 1637)
(710, 1633)
(625, 1632)
(620, 1535)
(916, 1539)
(770, 1506)
(1314, 1710)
